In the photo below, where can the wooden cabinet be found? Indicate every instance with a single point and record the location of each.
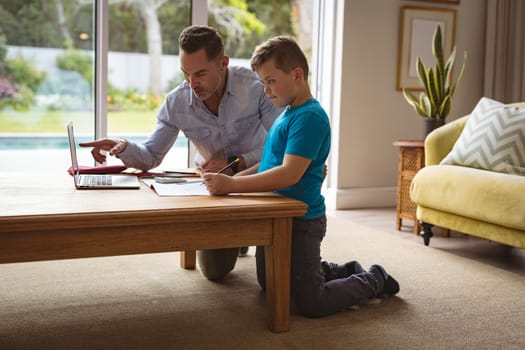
(411, 159)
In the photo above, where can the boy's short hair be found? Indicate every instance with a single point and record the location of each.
(286, 53)
(194, 38)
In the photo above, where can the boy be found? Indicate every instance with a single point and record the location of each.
(295, 151)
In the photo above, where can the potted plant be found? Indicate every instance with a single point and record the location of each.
(435, 100)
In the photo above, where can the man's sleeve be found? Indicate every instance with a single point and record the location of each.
(151, 153)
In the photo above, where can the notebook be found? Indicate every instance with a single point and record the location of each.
(92, 182)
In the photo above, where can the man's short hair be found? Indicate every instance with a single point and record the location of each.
(194, 38)
(286, 53)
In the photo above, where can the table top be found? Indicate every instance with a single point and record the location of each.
(36, 199)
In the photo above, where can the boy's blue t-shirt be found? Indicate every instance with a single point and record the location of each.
(303, 131)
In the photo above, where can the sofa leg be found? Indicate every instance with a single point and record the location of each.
(426, 232)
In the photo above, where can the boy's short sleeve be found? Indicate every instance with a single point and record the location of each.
(306, 135)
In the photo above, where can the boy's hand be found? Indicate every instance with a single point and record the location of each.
(218, 184)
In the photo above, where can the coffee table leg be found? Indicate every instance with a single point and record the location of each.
(187, 259)
(277, 260)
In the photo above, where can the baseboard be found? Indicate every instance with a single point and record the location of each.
(355, 198)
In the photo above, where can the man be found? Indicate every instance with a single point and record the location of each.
(221, 109)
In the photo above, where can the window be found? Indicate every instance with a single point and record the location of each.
(49, 52)
(244, 27)
(46, 79)
(143, 66)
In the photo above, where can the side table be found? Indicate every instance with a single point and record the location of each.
(411, 159)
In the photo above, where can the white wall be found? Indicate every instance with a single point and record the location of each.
(373, 113)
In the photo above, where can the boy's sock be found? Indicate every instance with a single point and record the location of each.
(333, 271)
(390, 286)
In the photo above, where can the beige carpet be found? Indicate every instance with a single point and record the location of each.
(148, 302)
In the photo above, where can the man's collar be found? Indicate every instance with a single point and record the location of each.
(229, 83)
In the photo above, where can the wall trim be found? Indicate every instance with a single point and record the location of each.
(364, 197)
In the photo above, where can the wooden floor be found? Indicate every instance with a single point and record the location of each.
(492, 253)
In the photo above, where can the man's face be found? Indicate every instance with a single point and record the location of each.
(205, 77)
(279, 86)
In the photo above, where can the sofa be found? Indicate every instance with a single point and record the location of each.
(471, 200)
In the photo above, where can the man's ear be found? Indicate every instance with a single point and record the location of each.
(225, 61)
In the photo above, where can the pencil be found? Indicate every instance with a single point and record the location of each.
(236, 160)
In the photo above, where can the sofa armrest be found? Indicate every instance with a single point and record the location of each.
(440, 141)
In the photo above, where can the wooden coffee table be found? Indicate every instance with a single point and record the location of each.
(43, 217)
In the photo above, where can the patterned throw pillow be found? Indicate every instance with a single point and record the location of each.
(493, 139)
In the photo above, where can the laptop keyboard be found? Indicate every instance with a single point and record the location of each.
(99, 180)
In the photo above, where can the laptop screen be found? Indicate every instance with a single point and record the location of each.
(72, 151)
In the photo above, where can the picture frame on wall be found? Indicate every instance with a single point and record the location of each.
(416, 30)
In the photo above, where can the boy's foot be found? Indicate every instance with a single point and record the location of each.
(390, 286)
(333, 271)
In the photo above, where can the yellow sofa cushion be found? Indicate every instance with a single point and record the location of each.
(482, 195)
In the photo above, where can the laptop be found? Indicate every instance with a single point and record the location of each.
(91, 181)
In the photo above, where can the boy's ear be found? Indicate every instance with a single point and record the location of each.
(298, 73)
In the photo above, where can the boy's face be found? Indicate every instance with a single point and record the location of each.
(205, 77)
(280, 87)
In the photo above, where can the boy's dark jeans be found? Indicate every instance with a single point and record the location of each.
(313, 297)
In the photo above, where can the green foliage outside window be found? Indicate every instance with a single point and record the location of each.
(76, 61)
(38, 23)
(23, 73)
(131, 100)
(243, 23)
(18, 80)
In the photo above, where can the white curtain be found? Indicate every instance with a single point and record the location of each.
(505, 51)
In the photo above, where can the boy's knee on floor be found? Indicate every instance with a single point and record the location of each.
(308, 307)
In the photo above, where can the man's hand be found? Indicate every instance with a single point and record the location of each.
(214, 165)
(113, 146)
(218, 184)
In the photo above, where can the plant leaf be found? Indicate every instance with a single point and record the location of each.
(460, 75)
(437, 48)
(433, 90)
(444, 109)
(438, 87)
(414, 102)
(440, 81)
(425, 103)
(422, 72)
(448, 67)
(420, 110)
(410, 97)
